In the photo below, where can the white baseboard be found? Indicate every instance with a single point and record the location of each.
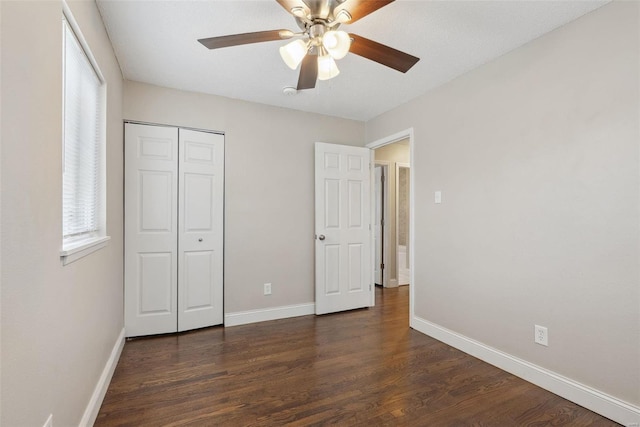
(273, 313)
(91, 412)
(393, 283)
(592, 399)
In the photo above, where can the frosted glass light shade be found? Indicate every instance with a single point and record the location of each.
(327, 68)
(293, 53)
(337, 43)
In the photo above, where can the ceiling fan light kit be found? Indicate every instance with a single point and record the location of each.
(321, 42)
(331, 45)
(337, 43)
(327, 68)
(293, 53)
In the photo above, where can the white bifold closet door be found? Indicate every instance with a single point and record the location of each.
(174, 184)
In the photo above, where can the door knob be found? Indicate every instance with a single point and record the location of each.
(200, 239)
(321, 237)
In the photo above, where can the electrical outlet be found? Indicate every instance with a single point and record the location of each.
(541, 335)
(49, 422)
(267, 288)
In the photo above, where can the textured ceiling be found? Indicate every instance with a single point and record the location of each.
(156, 42)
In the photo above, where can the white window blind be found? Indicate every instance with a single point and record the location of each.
(83, 139)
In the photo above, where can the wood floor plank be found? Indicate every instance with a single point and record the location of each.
(358, 368)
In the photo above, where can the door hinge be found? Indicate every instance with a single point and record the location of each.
(383, 178)
(382, 266)
(382, 222)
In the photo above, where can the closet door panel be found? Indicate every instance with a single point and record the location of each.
(198, 203)
(200, 237)
(151, 229)
(198, 272)
(154, 283)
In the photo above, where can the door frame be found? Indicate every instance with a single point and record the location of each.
(403, 134)
(385, 165)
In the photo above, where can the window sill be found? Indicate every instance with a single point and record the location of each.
(82, 249)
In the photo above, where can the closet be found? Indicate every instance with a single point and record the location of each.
(173, 214)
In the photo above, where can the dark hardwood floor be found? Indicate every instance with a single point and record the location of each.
(363, 367)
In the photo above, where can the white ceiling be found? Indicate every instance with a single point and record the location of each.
(156, 42)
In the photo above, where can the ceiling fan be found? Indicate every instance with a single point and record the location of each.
(320, 42)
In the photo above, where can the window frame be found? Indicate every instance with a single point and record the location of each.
(76, 247)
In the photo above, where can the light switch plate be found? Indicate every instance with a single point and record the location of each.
(438, 197)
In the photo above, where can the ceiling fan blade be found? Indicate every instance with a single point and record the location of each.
(308, 72)
(245, 38)
(360, 8)
(382, 54)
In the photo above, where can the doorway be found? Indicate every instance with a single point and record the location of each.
(397, 231)
(391, 220)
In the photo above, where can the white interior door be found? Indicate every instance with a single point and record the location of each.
(200, 242)
(343, 227)
(151, 177)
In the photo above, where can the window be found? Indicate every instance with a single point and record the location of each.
(83, 181)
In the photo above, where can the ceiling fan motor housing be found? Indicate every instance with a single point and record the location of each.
(316, 32)
(316, 48)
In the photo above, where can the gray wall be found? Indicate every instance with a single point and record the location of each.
(537, 158)
(59, 324)
(269, 186)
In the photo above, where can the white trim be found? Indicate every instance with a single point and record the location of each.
(66, 11)
(83, 248)
(73, 251)
(592, 399)
(137, 122)
(407, 133)
(93, 407)
(398, 136)
(265, 314)
(372, 214)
